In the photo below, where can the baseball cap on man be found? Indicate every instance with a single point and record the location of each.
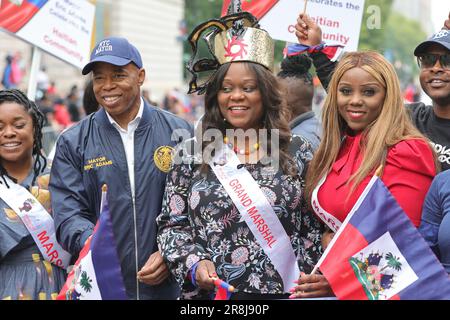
(114, 50)
(441, 37)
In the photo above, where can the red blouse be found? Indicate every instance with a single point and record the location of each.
(408, 174)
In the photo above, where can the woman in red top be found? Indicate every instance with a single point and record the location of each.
(366, 127)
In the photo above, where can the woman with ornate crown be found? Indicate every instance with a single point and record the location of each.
(234, 210)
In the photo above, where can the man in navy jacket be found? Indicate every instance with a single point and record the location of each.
(126, 145)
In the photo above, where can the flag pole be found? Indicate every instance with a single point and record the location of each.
(103, 198)
(379, 171)
(305, 2)
(304, 7)
(35, 66)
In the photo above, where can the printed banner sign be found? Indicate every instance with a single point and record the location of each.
(340, 21)
(61, 28)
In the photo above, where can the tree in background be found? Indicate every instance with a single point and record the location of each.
(195, 12)
(396, 37)
(402, 36)
(374, 23)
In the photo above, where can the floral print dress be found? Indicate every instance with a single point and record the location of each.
(24, 274)
(199, 221)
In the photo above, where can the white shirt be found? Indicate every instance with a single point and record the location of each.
(128, 141)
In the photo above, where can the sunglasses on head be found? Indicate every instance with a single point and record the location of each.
(428, 60)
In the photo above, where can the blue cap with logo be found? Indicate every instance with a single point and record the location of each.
(441, 37)
(114, 50)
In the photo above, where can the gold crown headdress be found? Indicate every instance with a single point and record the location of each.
(234, 37)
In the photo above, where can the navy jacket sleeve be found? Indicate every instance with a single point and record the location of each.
(73, 219)
(432, 217)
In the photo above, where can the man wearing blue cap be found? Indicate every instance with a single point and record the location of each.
(433, 56)
(126, 145)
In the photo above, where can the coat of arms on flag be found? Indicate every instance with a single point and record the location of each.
(378, 254)
(96, 275)
(384, 273)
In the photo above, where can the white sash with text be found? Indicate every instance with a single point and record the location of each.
(258, 213)
(37, 221)
(331, 221)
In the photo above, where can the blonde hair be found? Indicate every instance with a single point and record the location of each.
(391, 126)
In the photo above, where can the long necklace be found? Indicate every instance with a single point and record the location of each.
(246, 152)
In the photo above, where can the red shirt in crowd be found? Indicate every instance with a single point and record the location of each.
(62, 116)
(408, 173)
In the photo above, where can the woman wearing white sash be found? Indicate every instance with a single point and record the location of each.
(204, 232)
(24, 274)
(366, 127)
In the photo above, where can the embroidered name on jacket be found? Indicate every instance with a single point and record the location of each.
(97, 162)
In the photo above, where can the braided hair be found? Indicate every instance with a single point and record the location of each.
(296, 67)
(17, 96)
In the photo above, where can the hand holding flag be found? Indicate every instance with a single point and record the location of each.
(378, 254)
(307, 31)
(309, 36)
(97, 275)
(311, 286)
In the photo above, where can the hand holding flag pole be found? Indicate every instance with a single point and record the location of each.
(97, 273)
(376, 235)
(378, 173)
(285, 50)
(309, 36)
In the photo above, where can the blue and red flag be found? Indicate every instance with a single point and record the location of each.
(378, 254)
(97, 274)
(333, 52)
(224, 290)
(14, 14)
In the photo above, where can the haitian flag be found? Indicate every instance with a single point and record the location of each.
(224, 290)
(378, 254)
(333, 52)
(258, 8)
(96, 275)
(14, 14)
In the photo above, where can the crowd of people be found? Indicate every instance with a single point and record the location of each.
(240, 196)
(63, 109)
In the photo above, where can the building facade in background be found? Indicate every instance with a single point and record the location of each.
(153, 26)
